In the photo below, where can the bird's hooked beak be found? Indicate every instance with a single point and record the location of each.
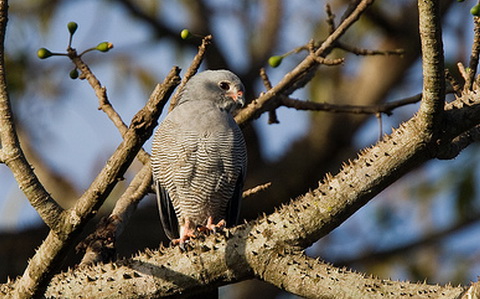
(237, 96)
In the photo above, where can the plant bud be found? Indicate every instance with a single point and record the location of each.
(275, 61)
(72, 27)
(73, 74)
(475, 10)
(43, 53)
(104, 47)
(184, 34)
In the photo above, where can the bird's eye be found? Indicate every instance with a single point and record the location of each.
(224, 85)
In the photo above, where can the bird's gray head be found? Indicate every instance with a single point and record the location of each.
(220, 86)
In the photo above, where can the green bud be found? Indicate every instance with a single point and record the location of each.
(72, 27)
(475, 10)
(104, 47)
(73, 74)
(184, 34)
(275, 61)
(43, 53)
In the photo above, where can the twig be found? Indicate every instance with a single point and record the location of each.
(255, 190)
(463, 72)
(192, 70)
(326, 61)
(330, 18)
(360, 51)
(370, 109)
(272, 113)
(456, 86)
(265, 79)
(380, 125)
(104, 103)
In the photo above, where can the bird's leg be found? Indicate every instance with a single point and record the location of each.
(186, 232)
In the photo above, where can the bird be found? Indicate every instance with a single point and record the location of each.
(199, 157)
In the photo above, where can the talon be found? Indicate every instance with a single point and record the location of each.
(212, 227)
(186, 233)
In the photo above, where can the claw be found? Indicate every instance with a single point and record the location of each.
(186, 233)
(212, 227)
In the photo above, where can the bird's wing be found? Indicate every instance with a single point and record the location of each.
(167, 213)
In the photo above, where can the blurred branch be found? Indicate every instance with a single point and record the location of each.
(12, 154)
(453, 148)
(386, 108)
(302, 73)
(474, 54)
(360, 51)
(263, 41)
(430, 239)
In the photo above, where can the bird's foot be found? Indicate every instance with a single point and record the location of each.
(212, 227)
(186, 234)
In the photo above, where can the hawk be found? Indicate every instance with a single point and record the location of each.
(199, 157)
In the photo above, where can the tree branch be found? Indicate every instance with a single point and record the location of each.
(386, 108)
(10, 151)
(432, 104)
(104, 103)
(192, 70)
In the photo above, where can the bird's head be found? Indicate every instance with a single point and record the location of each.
(222, 87)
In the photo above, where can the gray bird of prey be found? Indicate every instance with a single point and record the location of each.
(199, 157)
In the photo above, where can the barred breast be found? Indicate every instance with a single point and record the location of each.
(199, 167)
